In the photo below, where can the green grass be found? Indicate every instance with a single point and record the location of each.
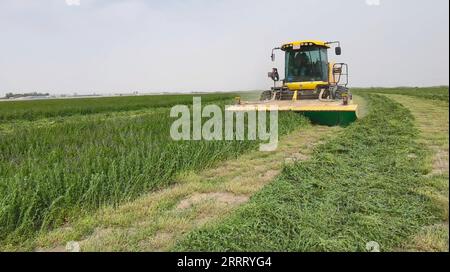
(59, 170)
(154, 221)
(63, 159)
(431, 117)
(434, 93)
(363, 186)
(36, 109)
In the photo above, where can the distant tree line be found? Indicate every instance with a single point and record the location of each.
(18, 95)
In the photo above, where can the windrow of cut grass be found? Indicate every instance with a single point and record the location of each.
(362, 186)
(36, 109)
(434, 93)
(50, 175)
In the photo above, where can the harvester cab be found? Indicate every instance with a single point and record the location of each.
(312, 85)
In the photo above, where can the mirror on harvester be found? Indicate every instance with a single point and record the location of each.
(272, 57)
(274, 74)
(338, 50)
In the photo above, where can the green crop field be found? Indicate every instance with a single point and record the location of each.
(82, 158)
(36, 109)
(433, 93)
(355, 189)
(105, 172)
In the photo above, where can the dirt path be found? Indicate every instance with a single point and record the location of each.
(155, 221)
(432, 119)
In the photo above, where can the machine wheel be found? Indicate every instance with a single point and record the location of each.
(266, 95)
(339, 91)
(324, 94)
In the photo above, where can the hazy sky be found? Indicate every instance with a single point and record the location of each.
(66, 46)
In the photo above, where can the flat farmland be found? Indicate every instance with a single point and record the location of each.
(105, 172)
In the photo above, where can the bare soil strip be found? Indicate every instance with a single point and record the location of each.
(155, 221)
(432, 119)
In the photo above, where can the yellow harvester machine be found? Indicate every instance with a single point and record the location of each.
(312, 85)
